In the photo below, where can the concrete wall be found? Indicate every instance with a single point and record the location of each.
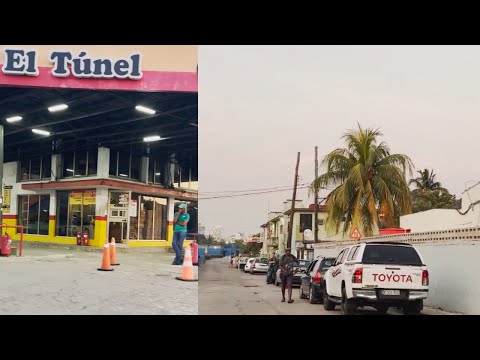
(454, 270)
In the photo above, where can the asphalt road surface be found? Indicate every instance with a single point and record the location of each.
(229, 291)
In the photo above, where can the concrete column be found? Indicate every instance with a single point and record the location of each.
(52, 212)
(56, 167)
(103, 162)
(144, 169)
(170, 213)
(101, 212)
(101, 202)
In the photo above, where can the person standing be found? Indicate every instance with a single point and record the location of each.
(287, 266)
(271, 267)
(180, 221)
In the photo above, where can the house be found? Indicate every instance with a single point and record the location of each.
(463, 213)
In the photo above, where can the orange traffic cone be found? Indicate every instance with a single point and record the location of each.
(187, 271)
(106, 258)
(113, 254)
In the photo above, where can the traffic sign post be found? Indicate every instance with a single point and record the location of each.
(355, 234)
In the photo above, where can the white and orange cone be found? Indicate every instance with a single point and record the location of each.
(106, 266)
(113, 253)
(187, 271)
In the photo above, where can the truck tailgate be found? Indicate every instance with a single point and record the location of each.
(392, 277)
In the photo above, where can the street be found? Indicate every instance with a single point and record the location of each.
(229, 291)
(57, 281)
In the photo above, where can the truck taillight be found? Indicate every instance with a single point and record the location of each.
(317, 278)
(357, 276)
(425, 280)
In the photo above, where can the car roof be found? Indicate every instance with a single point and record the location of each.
(387, 243)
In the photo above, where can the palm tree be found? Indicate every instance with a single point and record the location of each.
(426, 181)
(367, 178)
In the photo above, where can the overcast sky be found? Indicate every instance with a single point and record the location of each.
(260, 105)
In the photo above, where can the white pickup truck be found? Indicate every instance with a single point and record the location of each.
(378, 274)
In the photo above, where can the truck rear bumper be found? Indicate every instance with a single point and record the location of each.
(371, 294)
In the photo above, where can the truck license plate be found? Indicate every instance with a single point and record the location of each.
(391, 292)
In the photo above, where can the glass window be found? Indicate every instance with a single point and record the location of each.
(35, 168)
(88, 212)
(134, 218)
(391, 255)
(46, 167)
(135, 168)
(339, 258)
(146, 218)
(113, 163)
(185, 176)
(158, 172)
(62, 213)
(305, 222)
(80, 163)
(44, 214)
(124, 164)
(151, 170)
(25, 169)
(311, 266)
(92, 162)
(68, 169)
(76, 212)
(353, 253)
(326, 263)
(176, 177)
(118, 199)
(33, 213)
(33, 206)
(160, 219)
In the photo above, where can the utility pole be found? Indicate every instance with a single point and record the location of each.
(315, 208)
(290, 224)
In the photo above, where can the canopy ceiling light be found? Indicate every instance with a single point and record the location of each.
(58, 107)
(41, 132)
(13, 119)
(145, 109)
(152, 138)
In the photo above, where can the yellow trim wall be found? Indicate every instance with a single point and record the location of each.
(100, 233)
(100, 236)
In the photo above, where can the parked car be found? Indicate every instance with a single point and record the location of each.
(311, 285)
(378, 274)
(241, 263)
(260, 265)
(297, 273)
(248, 264)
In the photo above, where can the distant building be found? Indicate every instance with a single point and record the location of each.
(275, 230)
(201, 229)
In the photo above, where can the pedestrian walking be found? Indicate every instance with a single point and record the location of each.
(287, 270)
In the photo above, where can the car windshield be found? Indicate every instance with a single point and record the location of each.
(304, 264)
(326, 263)
(263, 261)
(391, 255)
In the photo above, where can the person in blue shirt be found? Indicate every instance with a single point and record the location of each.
(180, 221)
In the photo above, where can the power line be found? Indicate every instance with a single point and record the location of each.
(239, 191)
(253, 193)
